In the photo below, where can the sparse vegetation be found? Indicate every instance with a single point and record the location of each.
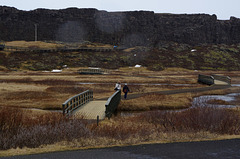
(33, 44)
(205, 57)
(19, 130)
(21, 92)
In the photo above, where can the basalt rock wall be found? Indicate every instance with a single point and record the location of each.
(136, 28)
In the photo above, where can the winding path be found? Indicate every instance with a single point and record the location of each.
(191, 90)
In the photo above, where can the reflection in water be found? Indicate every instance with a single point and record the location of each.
(203, 100)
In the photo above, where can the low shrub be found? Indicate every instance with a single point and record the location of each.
(18, 130)
(209, 119)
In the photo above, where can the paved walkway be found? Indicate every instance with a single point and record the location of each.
(91, 110)
(178, 91)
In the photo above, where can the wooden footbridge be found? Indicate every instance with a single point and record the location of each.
(84, 107)
(214, 79)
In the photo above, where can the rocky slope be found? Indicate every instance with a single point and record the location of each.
(136, 28)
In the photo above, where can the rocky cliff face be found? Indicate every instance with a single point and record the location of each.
(118, 28)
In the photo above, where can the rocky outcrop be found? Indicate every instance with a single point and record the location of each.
(134, 28)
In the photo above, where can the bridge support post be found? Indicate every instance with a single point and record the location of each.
(63, 108)
(97, 120)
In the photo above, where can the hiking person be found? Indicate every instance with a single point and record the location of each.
(125, 90)
(117, 86)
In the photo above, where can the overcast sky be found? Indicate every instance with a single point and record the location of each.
(222, 8)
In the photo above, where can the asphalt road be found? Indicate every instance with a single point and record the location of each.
(225, 149)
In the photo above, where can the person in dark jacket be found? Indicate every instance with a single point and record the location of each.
(125, 90)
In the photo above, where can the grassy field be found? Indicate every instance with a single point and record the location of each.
(33, 44)
(28, 98)
(206, 57)
(46, 90)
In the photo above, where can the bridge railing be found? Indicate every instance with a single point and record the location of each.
(222, 78)
(205, 79)
(76, 101)
(112, 103)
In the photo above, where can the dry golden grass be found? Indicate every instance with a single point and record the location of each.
(2, 68)
(129, 49)
(157, 101)
(42, 93)
(29, 44)
(177, 69)
(45, 45)
(70, 146)
(17, 87)
(219, 91)
(49, 90)
(99, 45)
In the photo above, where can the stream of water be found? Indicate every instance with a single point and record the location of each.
(204, 100)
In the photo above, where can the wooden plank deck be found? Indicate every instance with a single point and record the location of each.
(91, 110)
(217, 82)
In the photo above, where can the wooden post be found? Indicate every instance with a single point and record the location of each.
(63, 108)
(97, 120)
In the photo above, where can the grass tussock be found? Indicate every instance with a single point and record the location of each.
(156, 102)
